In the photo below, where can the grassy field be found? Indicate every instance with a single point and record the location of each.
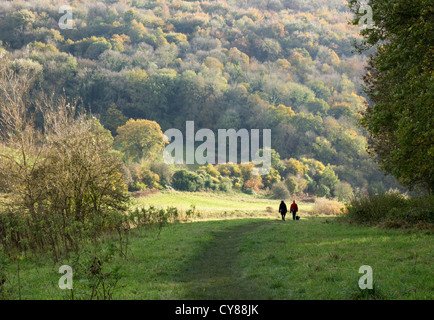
(219, 205)
(249, 258)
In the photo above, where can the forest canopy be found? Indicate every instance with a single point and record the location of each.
(285, 65)
(399, 82)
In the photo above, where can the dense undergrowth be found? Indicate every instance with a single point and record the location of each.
(392, 210)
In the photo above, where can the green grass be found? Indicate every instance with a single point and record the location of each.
(218, 205)
(318, 258)
(251, 255)
(314, 258)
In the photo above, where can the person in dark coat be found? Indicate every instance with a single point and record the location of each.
(283, 209)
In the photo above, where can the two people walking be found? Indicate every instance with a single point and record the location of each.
(283, 209)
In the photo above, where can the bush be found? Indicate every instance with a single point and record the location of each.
(224, 169)
(392, 210)
(253, 185)
(271, 178)
(164, 172)
(280, 191)
(323, 191)
(95, 275)
(343, 191)
(291, 184)
(150, 179)
(75, 174)
(151, 217)
(211, 170)
(209, 182)
(4, 262)
(226, 184)
(185, 180)
(374, 208)
(325, 206)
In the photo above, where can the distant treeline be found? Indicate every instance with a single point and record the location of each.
(283, 65)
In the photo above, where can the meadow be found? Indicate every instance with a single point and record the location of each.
(212, 205)
(245, 258)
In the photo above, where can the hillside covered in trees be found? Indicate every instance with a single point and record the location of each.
(285, 65)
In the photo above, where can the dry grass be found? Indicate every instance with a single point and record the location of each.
(327, 207)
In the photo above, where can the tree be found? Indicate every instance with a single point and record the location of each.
(96, 48)
(328, 178)
(164, 172)
(343, 191)
(22, 18)
(224, 64)
(323, 191)
(185, 180)
(113, 118)
(280, 191)
(139, 139)
(276, 163)
(268, 49)
(399, 83)
(294, 167)
(63, 178)
(324, 150)
(291, 185)
(82, 163)
(318, 106)
(271, 178)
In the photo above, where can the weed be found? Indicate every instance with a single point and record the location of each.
(97, 278)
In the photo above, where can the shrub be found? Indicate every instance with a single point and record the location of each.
(325, 206)
(72, 169)
(246, 171)
(209, 182)
(271, 178)
(392, 210)
(95, 276)
(293, 167)
(224, 170)
(185, 180)
(279, 191)
(226, 184)
(253, 185)
(145, 218)
(373, 208)
(211, 170)
(164, 172)
(343, 191)
(291, 185)
(150, 179)
(135, 176)
(323, 191)
(3, 274)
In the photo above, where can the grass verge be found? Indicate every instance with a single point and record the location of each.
(314, 258)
